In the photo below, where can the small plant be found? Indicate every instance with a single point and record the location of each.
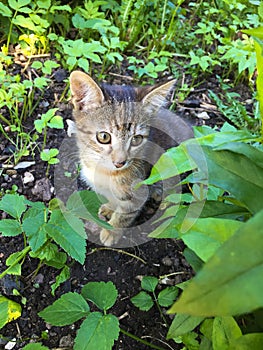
(99, 328)
(46, 228)
(145, 301)
(48, 120)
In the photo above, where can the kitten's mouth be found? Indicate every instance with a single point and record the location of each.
(118, 166)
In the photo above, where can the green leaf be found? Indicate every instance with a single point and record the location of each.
(206, 235)
(85, 205)
(183, 324)
(172, 163)
(5, 11)
(35, 346)
(13, 204)
(222, 287)
(225, 330)
(35, 229)
(149, 283)
(248, 341)
(12, 260)
(167, 296)
(68, 309)
(10, 227)
(97, 332)
(3, 313)
(62, 277)
(9, 310)
(226, 170)
(70, 238)
(143, 301)
(102, 294)
(50, 255)
(56, 122)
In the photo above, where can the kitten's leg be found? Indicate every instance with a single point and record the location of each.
(119, 221)
(106, 211)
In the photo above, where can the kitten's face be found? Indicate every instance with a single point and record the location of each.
(113, 122)
(113, 135)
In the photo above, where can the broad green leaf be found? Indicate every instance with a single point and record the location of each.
(143, 301)
(251, 152)
(97, 332)
(13, 204)
(172, 163)
(206, 235)
(102, 294)
(237, 174)
(192, 259)
(183, 324)
(11, 310)
(149, 283)
(68, 309)
(225, 330)
(35, 230)
(252, 341)
(167, 296)
(24, 22)
(14, 263)
(10, 227)
(231, 282)
(70, 238)
(35, 346)
(85, 205)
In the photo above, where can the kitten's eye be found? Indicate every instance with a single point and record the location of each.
(136, 140)
(103, 137)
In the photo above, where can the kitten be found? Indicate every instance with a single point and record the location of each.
(121, 133)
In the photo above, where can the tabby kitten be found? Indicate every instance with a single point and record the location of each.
(121, 133)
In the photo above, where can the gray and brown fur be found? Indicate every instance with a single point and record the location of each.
(126, 115)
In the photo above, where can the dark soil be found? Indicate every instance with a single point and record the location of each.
(162, 257)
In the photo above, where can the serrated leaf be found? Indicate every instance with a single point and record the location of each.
(68, 309)
(35, 230)
(225, 330)
(143, 301)
(149, 283)
(183, 324)
(13, 204)
(70, 238)
(223, 277)
(97, 332)
(167, 296)
(62, 277)
(102, 294)
(10, 227)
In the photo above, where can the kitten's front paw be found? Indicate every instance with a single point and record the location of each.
(108, 238)
(106, 212)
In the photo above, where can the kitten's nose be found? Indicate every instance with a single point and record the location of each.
(119, 164)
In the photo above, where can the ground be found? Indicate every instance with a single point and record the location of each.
(161, 257)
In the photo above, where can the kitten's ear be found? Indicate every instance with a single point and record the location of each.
(157, 97)
(86, 94)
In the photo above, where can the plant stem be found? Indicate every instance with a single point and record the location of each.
(140, 340)
(119, 251)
